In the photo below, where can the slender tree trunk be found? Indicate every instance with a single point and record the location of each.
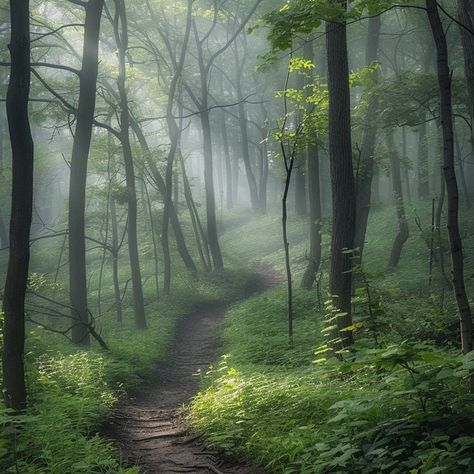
(235, 172)
(3, 227)
(78, 180)
(462, 174)
(342, 177)
(210, 194)
(314, 187)
(174, 136)
(252, 182)
(466, 17)
(444, 79)
(423, 186)
(366, 169)
(154, 240)
(227, 160)
(301, 207)
(403, 234)
(13, 370)
(406, 174)
(314, 192)
(263, 181)
(160, 184)
(115, 256)
(201, 240)
(121, 37)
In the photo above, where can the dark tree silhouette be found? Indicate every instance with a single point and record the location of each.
(21, 208)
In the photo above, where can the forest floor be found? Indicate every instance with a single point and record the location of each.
(150, 428)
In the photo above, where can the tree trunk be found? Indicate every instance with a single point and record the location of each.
(201, 240)
(314, 192)
(210, 194)
(228, 164)
(462, 174)
(263, 178)
(403, 234)
(160, 184)
(174, 136)
(252, 182)
(423, 186)
(121, 37)
(3, 227)
(444, 79)
(365, 173)
(115, 256)
(314, 188)
(78, 174)
(342, 177)
(466, 17)
(21, 208)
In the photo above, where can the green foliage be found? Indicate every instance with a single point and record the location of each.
(392, 405)
(71, 391)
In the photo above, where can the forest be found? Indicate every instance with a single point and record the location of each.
(237, 237)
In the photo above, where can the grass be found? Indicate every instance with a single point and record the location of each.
(395, 406)
(71, 391)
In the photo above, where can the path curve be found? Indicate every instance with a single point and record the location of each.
(149, 429)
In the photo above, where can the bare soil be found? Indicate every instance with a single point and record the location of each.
(150, 428)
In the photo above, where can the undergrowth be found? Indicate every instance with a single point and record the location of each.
(71, 391)
(397, 403)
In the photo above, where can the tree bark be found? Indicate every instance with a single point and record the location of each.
(251, 180)
(423, 185)
(78, 174)
(210, 193)
(365, 173)
(342, 176)
(3, 227)
(466, 17)
(314, 194)
(160, 184)
(21, 208)
(314, 188)
(403, 233)
(115, 256)
(444, 79)
(121, 37)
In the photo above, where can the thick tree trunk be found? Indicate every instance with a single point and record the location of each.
(121, 37)
(21, 208)
(366, 169)
(342, 177)
(78, 180)
(444, 79)
(402, 235)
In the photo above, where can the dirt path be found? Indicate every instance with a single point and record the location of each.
(150, 429)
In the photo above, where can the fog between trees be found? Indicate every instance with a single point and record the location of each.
(153, 154)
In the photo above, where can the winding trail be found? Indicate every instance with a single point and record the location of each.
(149, 429)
